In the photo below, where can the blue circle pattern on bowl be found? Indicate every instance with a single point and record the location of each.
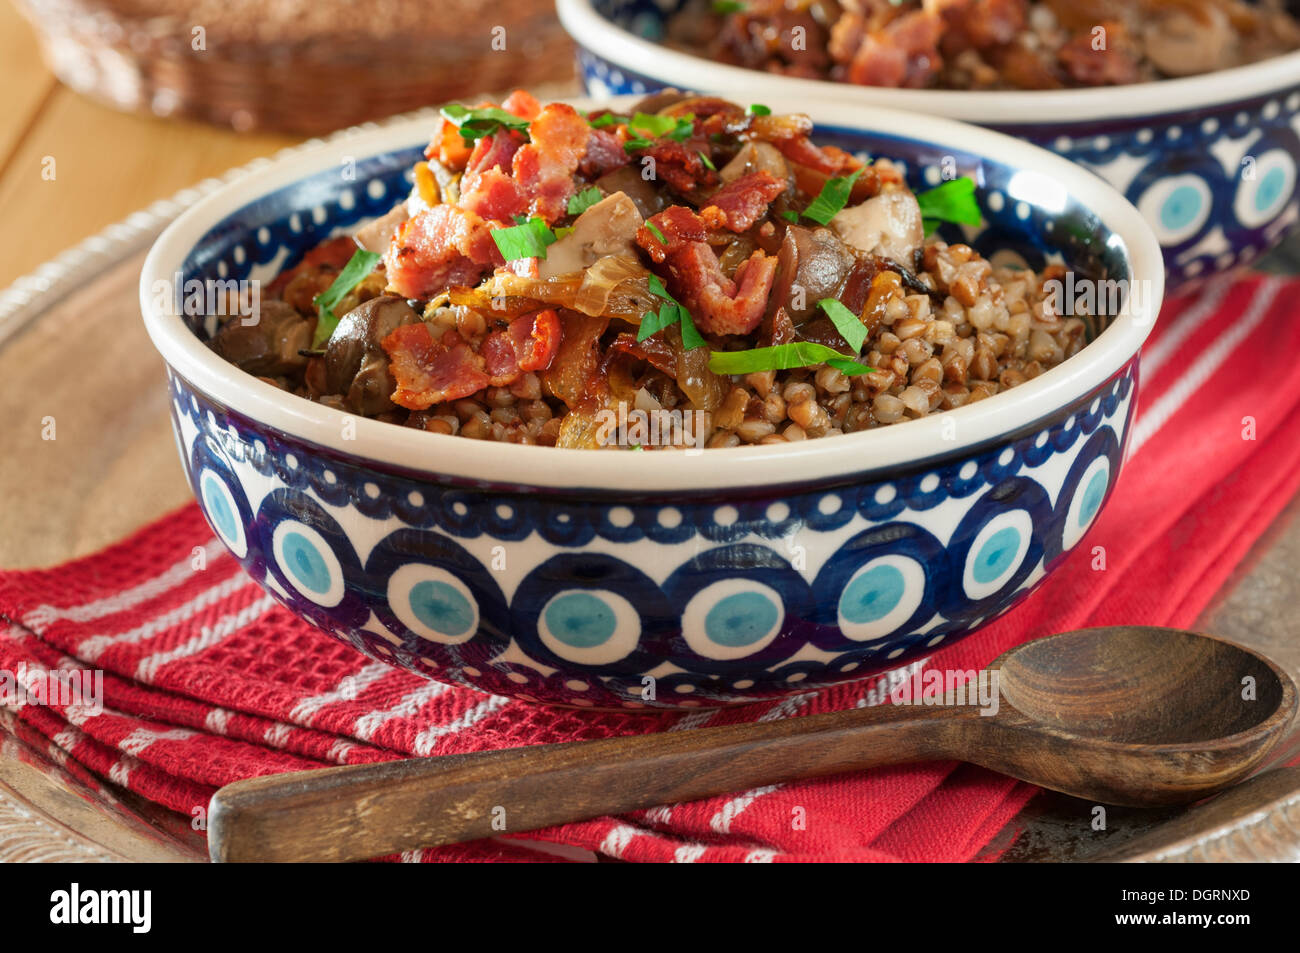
(590, 599)
(1219, 185)
(759, 596)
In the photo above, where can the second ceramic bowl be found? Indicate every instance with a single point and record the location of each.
(1209, 160)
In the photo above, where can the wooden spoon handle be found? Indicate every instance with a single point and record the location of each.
(363, 811)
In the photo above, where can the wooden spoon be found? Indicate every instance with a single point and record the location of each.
(1127, 715)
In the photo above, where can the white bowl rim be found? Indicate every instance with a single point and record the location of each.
(1055, 107)
(823, 460)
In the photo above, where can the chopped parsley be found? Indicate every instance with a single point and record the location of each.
(526, 240)
(474, 124)
(584, 200)
(846, 322)
(953, 201)
(359, 265)
(783, 357)
(832, 198)
(670, 312)
(644, 126)
(603, 120)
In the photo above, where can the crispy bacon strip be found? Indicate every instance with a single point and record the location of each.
(440, 247)
(741, 203)
(529, 343)
(679, 165)
(429, 371)
(544, 168)
(718, 304)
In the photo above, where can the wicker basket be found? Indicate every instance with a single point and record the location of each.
(300, 66)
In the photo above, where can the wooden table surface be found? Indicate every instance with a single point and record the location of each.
(105, 164)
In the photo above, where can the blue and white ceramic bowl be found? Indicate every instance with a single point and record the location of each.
(634, 580)
(1210, 160)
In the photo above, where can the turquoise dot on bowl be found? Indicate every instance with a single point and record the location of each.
(1092, 497)
(1180, 208)
(581, 620)
(441, 607)
(306, 564)
(742, 618)
(1270, 189)
(995, 555)
(872, 595)
(215, 499)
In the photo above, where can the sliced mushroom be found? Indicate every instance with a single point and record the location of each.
(888, 225)
(626, 179)
(356, 365)
(607, 228)
(811, 265)
(269, 346)
(1183, 42)
(376, 236)
(755, 156)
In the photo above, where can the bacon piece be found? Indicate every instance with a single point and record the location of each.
(487, 190)
(544, 167)
(429, 371)
(441, 247)
(903, 53)
(679, 165)
(679, 227)
(1115, 65)
(523, 104)
(741, 203)
(529, 343)
(494, 152)
(718, 304)
(605, 153)
(980, 24)
(493, 195)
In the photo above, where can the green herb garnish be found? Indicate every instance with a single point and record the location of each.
(953, 201)
(684, 129)
(606, 119)
(832, 198)
(645, 125)
(728, 6)
(783, 357)
(359, 265)
(758, 109)
(790, 216)
(708, 163)
(528, 240)
(474, 124)
(584, 200)
(653, 229)
(846, 322)
(670, 312)
(652, 124)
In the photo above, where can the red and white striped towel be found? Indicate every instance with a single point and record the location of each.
(208, 681)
